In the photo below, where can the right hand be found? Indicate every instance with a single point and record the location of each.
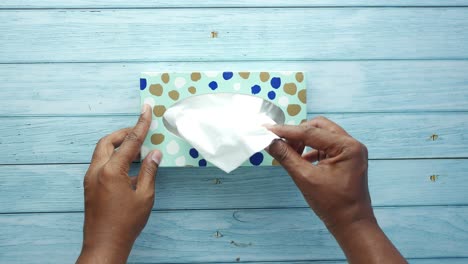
(336, 187)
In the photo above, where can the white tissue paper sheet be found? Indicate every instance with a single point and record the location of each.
(226, 129)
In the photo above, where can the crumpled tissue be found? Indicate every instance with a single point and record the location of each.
(225, 128)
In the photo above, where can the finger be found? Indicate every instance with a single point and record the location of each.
(106, 145)
(311, 156)
(134, 180)
(314, 137)
(314, 155)
(325, 123)
(147, 175)
(131, 145)
(288, 158)
(298, 146)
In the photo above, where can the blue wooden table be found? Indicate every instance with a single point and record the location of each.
(394, 73)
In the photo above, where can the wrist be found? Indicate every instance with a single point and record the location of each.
(104, 253)
(355, 227)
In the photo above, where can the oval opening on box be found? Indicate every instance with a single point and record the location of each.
(241, 103)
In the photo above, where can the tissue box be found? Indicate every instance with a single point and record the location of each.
(161, 90)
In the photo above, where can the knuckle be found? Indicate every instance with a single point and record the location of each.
(107, 171)
(134, 137)
(356, 148)
(150, 170)
(142, 121)
(86, 183)
(281, 151)
(320, 117)
(102, 141)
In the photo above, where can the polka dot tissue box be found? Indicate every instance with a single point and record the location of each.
(217, 118)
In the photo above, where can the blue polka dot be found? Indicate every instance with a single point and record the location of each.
(227, 75)
(193, 153)
(275, 82)
(256, 159)
(142, 83)
(271, 95)
(202, 163)
(256, 89)
(213, 85)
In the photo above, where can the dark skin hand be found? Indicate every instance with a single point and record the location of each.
(335, 187)
(117, 207)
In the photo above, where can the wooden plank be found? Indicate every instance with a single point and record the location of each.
(417, 261)
(280, 33)
(214, 3)
(54, 188)
(33, 140)
(351, 86)
(258, 235)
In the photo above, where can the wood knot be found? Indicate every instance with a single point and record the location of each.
(216, 181)
(433, 177)
(214, 34)
(237, 259)
(434, 137)
(217, 234)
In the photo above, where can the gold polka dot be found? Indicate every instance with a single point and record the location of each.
(275, 162)
(293, 109)
(302, 94)
(159, 110)
(244, 75)
(165, 77)
(174, 95)
(290, 88)
(195, 76)
(299, 77)
(264, 76)
(157, 139)
(192, 90)
(156, 89)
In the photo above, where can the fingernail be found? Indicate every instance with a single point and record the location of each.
(156, 156)
(145, 108)
(268, 147)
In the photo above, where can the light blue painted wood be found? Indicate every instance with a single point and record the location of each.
(68, 139)
(53, 188)
(280, 34)
(214, 3)
(417, 261)
(354, 86)
(258, 235)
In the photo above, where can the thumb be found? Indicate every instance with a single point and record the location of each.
(287, 157)
(147, 175)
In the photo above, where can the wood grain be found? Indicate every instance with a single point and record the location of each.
(33, 140)
(279, 33)
(54, 188)
(214, 3)
(258, 235)
(351, 86)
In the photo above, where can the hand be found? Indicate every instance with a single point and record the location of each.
(336, 186)
(115, 211)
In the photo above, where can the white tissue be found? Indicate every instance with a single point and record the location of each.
(226, 129)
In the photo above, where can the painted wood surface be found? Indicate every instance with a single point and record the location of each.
(55, 188)
(33, 140)
(214, 3)
(344, 86)
(251, 235)
(393, 73)
(279, 33)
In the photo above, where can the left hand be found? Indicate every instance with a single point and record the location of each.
(115, 211)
